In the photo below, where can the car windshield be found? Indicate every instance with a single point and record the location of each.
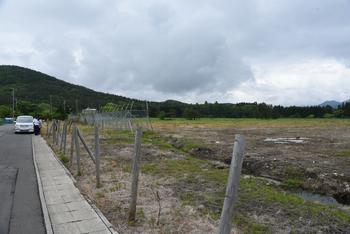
(25, 119)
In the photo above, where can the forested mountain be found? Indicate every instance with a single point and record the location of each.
(36, 87)
(33, 91)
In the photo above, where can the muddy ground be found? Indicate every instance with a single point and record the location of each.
(184, 173)
(318, 162)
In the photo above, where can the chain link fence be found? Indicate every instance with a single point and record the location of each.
(119, 120)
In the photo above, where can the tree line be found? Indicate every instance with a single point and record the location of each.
(246, 110)
(175, 109)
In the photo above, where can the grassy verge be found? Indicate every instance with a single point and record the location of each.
(1, 121)
(248, 122)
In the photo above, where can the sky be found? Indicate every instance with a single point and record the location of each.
(291, 52)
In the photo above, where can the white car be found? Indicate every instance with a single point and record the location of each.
(24, 123)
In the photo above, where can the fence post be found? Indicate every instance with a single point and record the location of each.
(77, 149)
(58, 131)
(135, 174)
(72, 145)
(97, 157)
(53, 131)
(130, 126)
(232, 185)
(47, 128)
(64, 128)
(65, 137)
(148, 119)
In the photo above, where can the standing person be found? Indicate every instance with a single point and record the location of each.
(40, 124)
(36, 126)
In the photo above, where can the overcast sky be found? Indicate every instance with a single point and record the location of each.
(292, 52)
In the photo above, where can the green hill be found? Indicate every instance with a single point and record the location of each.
(36, 87)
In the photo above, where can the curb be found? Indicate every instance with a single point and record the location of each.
(47, 220)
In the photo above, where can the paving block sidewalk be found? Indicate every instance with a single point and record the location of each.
(65, 209)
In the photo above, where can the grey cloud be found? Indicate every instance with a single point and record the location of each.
(165, 49)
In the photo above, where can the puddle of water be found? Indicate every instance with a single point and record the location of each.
(322, 199)
(285, 140)
(318, 198)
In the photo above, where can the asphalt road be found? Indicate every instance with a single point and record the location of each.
(20, 209)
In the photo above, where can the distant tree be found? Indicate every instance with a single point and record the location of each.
(109, 107)
(44, 111)
(5, 111)
(339, 113)
(191, 113)
(172, 113)
(346, 109)
(162, 115)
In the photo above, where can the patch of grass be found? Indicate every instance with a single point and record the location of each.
(126, 167)
(118, 137)
(188, 146)
(140, 214)
(249, 122)
(187, 198)
(116, 187)
(247, 226)
(64, 159)
(293, 177)
(154, 138)
(345, 153)
(100, 194)
(86, 129)
(292, 183)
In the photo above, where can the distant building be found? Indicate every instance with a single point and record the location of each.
(89, 111)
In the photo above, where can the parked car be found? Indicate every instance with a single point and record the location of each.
(24, 123)
(9, 120)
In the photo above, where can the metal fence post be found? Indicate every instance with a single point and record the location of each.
(135, 174)
(232, 185)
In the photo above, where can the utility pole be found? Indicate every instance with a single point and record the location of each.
(13, 103)
(76, 106)
(64, 107)
(51, 106)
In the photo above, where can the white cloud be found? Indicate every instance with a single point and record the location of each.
(306, 82)
(192, 51)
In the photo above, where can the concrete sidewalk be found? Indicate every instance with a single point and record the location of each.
(64, 208)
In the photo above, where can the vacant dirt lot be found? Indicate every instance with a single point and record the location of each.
(313, 158)
(185, 167)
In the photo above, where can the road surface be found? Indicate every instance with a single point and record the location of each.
(20, 209)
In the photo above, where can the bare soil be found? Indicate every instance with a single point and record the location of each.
(318, 161)
(190, 203)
